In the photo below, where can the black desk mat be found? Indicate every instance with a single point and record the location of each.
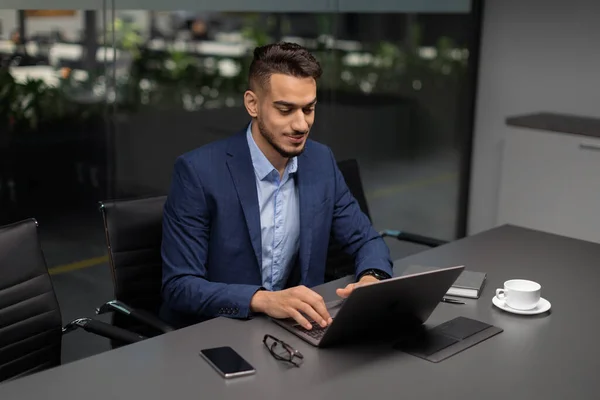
(445, 340)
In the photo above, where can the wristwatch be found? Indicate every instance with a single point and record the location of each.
(377, 273)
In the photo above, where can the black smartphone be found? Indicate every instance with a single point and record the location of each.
(227, 362)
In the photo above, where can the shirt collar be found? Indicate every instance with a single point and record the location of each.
(262, 166)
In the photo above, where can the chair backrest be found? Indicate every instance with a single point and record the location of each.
(30, 319)
(133, 237)
(351, 173)
(340, 264)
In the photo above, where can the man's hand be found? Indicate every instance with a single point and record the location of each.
(365, 280)
(292, 303)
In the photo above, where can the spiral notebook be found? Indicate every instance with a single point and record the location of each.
(469, 284)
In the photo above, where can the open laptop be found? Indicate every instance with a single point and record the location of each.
(380, 310)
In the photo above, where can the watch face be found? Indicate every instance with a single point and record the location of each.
(374, 274)
(377, 275)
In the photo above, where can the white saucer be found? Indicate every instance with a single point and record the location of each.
(543, 306)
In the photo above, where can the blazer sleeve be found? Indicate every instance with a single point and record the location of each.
(352, 229)
(186, 229)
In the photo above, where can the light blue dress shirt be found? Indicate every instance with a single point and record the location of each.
(279, 216)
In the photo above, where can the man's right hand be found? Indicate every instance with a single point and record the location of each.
(292, 303)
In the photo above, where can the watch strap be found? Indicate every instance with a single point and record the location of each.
(377, 273)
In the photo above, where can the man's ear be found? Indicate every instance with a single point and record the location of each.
(251, 103)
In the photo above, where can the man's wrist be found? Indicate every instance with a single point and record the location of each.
(375, 273)
(259, 300)
(368, 279)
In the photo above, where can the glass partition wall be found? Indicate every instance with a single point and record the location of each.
(98, 98)
(394, 95)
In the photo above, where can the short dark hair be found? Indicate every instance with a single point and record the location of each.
(282, 58)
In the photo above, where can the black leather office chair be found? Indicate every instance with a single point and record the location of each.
(30, 319)
(339, 264)
(133, 231)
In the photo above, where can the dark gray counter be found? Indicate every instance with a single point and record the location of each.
(564, 123)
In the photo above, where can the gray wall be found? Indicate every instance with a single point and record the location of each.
(536, 55)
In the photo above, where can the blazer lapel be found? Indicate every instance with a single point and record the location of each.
(242, 172)
(306, 194)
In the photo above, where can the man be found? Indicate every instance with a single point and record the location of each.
(248, 219)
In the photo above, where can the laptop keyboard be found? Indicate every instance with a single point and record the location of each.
(316, 332)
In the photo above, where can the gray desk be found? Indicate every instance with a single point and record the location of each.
(554, 356)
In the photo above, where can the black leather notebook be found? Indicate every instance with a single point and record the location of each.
(468, 284)
(445, 340)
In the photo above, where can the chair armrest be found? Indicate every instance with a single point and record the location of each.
(140, 315)
(103, 329)
(413, 238)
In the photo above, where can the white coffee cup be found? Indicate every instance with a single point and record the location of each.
(520, 294)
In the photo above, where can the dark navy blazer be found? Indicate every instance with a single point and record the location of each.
(211, 245)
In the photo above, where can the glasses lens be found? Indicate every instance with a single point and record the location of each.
(280, 351)
(277, 348)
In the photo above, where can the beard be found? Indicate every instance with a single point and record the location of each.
(270, 137)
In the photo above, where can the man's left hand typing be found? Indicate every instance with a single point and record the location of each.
(365, 280)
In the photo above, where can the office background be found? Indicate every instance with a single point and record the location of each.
(536, 56)
(100, 100)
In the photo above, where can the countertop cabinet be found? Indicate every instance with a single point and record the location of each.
(550, 181)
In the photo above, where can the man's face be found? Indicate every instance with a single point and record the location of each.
(285, 112)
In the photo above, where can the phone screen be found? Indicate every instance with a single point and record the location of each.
(227, 361)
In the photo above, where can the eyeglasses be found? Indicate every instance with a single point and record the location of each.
(283, 351)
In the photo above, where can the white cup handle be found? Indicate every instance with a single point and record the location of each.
(501, 294)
